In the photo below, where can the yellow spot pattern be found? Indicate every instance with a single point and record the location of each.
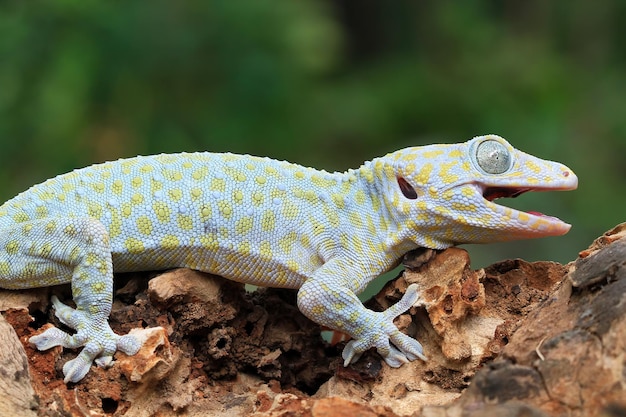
(144, 225)
(12, 247)
(205, 212)
(286, 243)
(175, 194)
(243, 225)
(161, 211)
(238, 196)
(117, 187)
(41, 212)
(209, 241)
(257, 198)
(268, 221)
(265, 250)
(185, 222)
(196, 194)
(218, 184)
(225, 208)
(134, 245)
(170, 242)
(423, 176)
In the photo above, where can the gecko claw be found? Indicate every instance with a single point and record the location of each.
(350, 354)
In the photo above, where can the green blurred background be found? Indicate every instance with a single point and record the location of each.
(322, 83)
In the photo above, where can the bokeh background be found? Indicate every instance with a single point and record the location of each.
(324, 83)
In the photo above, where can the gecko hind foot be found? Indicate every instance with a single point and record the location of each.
(97, 337)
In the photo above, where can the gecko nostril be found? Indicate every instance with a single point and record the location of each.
(566, 174)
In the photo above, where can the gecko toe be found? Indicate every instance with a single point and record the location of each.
(129, 344)
(50, 338)
(395, 358)
(410, 348)
(351, 353)
(76, 369)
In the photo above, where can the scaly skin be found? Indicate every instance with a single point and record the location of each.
(264, 222)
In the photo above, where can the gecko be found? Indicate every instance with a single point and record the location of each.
(268, 223)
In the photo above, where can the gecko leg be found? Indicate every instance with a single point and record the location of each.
(50, 251)
(327, 300)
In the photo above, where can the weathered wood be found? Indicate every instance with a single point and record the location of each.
(17, 397)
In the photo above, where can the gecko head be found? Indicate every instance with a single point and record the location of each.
(447, 193)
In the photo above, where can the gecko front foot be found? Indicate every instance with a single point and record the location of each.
(99, 341)
(394, 346)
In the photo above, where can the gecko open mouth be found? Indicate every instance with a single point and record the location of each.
(492, 193)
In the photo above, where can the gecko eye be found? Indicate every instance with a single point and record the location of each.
(493, 157)
(407, 189)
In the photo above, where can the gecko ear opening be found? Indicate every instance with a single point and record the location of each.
(407, 189)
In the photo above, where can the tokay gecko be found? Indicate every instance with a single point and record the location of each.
(268, 223)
